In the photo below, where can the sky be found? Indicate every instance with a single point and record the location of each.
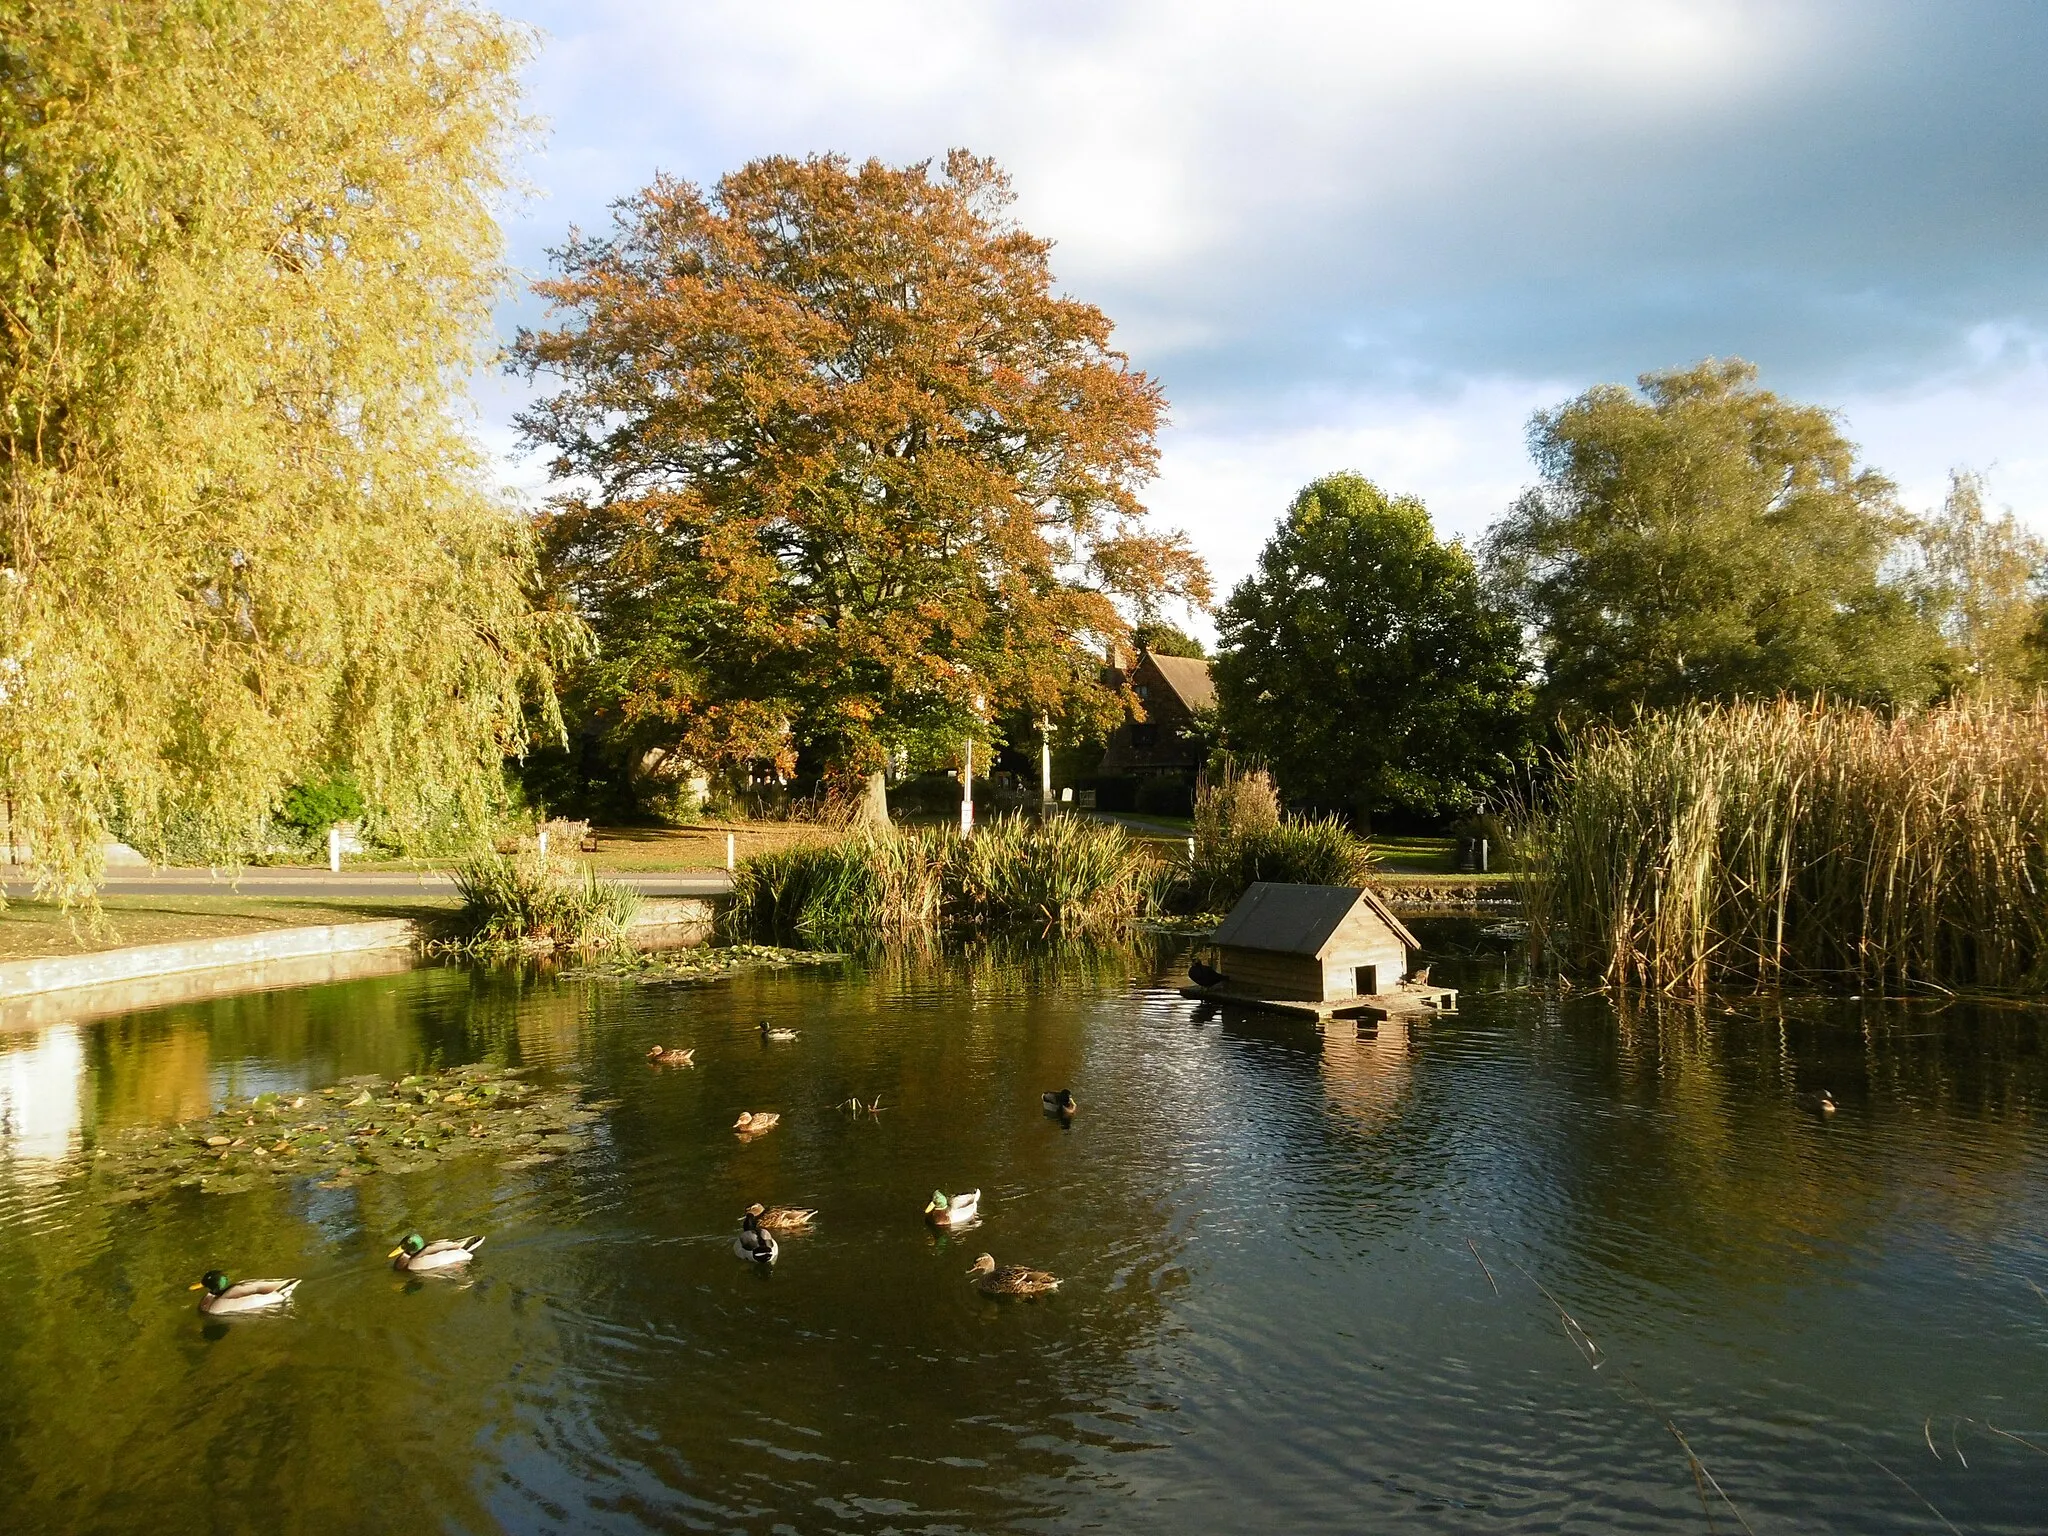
(1377, 237)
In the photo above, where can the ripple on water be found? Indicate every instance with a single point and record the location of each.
(1272, 1312)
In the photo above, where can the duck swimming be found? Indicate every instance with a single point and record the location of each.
(770, 1032)
(753, 1123)
(782, 1218)
(418, 1256)
(754, 1242)
(956, 1212)
(222, 1298)
(1060, 1103)
(1011, 1279)
(662, 1056)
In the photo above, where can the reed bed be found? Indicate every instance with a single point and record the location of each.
(531, 901)
(1058, 876)
(1826, 844)
(1241, 836)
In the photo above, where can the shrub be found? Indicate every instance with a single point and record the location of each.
(1833, 844)
(311, 807)
(1242, 837)
(1062, 875)
(527, 902)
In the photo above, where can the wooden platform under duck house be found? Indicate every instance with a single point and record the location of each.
(1406, 1003)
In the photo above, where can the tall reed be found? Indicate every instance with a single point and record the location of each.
(1824, 843)
(1242, 837)
(1062, 876)
(535, 901)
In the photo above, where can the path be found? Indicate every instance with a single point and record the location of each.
(351, 883)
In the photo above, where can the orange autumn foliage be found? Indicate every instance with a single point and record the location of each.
(846, 464)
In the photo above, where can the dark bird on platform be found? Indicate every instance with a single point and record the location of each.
(1205, 975)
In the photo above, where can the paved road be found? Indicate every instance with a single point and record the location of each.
(291, 884)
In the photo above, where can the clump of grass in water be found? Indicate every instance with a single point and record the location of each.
(533, 902)
(1061, 875)
(1824, 843)
(1241, 837)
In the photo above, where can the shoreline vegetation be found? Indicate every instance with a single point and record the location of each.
(1827, 845)
(532, 902)
(1058, 875)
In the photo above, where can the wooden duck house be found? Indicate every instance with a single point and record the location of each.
(1318, 950)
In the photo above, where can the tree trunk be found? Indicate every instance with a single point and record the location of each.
(873, 810)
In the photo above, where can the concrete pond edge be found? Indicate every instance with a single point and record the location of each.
(52, 987)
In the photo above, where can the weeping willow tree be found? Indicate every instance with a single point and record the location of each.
(247, 253)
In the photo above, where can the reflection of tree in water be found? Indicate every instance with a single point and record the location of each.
(1729, 1157)
(865, 1377)
(1366, 1073)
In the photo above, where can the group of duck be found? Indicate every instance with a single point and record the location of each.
(758, 1223)
(414, 1255)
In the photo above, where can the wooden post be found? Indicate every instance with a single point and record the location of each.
(728, 853)
(334, 850)
(543, 840)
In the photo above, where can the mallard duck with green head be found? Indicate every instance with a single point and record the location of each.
(418, 1256)
(956, 1211)
(755, 1242)
(224, 1298)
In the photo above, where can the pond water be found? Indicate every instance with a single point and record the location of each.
(1274, 1310)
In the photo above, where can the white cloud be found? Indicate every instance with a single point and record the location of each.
(1377, 234)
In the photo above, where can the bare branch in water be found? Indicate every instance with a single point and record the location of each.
(1482, 1266)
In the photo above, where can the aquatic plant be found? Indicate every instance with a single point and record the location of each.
(1827, 843)
(336, 1135)
(1242, 837)
(1061, 875)
(530, 901)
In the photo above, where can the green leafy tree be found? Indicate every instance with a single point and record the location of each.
(1163, 639)
(858, 478)
(1983, 583)
(1705, 539)
(247, 250)
(1364, 663)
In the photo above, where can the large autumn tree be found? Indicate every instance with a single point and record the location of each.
(247, 253)
(1702, 538)
(849, 474)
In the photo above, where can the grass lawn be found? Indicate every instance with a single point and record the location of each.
(31, 930)
(645, 850)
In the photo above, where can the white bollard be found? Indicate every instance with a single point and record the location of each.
(1191, 853)
(728, 853)
(543, 840)
(334, 850)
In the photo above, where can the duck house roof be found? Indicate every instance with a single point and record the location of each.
(1299, 919)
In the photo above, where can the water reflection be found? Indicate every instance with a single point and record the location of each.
(1274, 1311)
(42, 1084)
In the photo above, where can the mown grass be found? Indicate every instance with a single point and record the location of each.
(1826, 844)
(1059, 876)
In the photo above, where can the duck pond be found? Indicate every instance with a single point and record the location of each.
(1543, 1265)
